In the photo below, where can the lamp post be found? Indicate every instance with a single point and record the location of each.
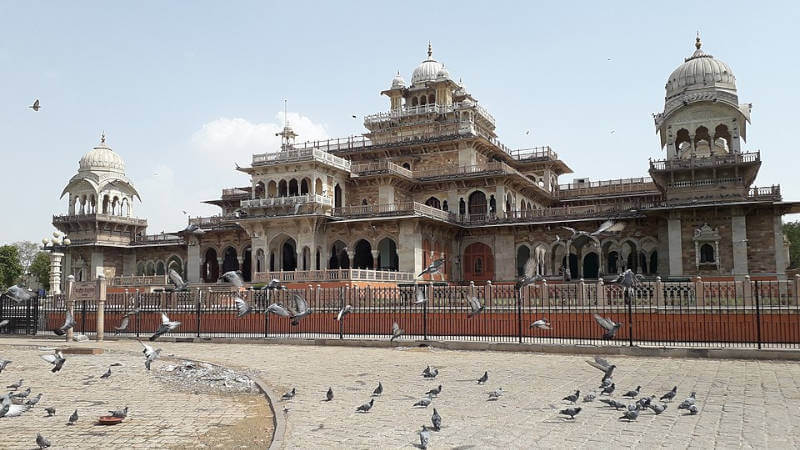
(55, 246)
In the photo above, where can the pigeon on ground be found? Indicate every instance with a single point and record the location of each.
(177, 281)
(603, 365)
(233, 277)
(23, 394)
(3, 364)
(33, 401)
(378, 390)
(496, 394)
(4, 323)
(123, 325)
(432, 374)
(42, 441)
(658, 409)
(542, 324)
(18, 294)
(420, 296)
(606, 382)
(5, 407)
(425, 401)
(632, 394)
(690, 400)
(426, 371)
(107, 374)
(289, 395)
(609, 390)
(572, 398)
(630, 414)
(242, 307)
(300, 310)
(396, 332)
(56, 359)
(484, 378)
(278, 309)
(120, 413)
(433, 268)
(366, 406)
(435, 391)
(436, 420)
(613, 403)
(693, 409)
(51, 411)
(644, 402)
(589, 397)
(475, 305)
(165, 327)
(609, 325)
(329, 394)
(73, 418)
(150, 354)
(424, 437)
(36, 107)
(69, 322)
(15, 386)
(571, 412)
(670, 395)
(344, 312)
(11, 410)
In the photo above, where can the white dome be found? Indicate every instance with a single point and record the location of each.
(700, 72)
(427, 70)
(398, 82)
(443, 73)
(102, 158)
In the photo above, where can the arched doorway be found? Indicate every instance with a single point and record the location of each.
(229, 260)
(282, 189)
(260, 260)
(363, 256)
(477, 205)
(339, 258)
(293, 190)
(211, 266)
(523, 254)
(289, 255)
(613, 263)
(247, 265)
(387, 256)
(337, 196)
(591, 265)
(306, 258)
(478, 262)
(654, 262)
(573, 265)
(433, 202)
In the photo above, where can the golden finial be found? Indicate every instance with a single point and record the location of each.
(430, 49)
(697, 42)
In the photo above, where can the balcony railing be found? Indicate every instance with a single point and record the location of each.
(427, 109)
(705, 182)
(152, 280)
(392, 209)
(286, 201)
(209, 222)
(308, 152)
(377, 168)
(99, 217)
(161, 238)
(711, 161)
(624, 185)
(765, 193)
(333, 275)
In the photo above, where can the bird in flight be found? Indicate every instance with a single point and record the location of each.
(35, 106)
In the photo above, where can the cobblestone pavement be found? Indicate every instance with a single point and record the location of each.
(742, 403)
(162, 414)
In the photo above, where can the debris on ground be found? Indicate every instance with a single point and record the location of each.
(199, 376)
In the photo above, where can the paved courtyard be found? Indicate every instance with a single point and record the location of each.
(743, 403)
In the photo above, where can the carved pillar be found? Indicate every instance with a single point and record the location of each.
(55, 272)
(101, 302)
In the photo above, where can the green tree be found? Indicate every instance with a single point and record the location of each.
(27, 251)
(792, 231)
(10, 267)
(40, 268)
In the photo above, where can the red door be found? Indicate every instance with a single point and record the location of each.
(478, 263)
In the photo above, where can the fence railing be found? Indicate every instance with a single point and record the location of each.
(692, 313)
(333, 275)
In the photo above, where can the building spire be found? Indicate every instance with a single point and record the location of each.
(430, 50)
(697, 43)
(103, 138)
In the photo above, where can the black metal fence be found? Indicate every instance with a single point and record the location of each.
(700, 314)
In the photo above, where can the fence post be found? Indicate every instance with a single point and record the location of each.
(341, 305)
(601, 292)
(758, 314)
(699, 292)
(518, 298)
(70, 303)
(659, 287)
(101, 306)
(582, 294)
(545, 294)
(747, 291)
(198, 306)
(428, 293)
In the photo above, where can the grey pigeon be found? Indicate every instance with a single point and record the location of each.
(165, 327)
(396, 332)
(4, 323)
(435, 391)
(609, 325)
(424, 437)
(4, 408)
(571, 412)
(589, 397)
(300, 310)
(18, 294)
(134, 312)
(73, 418)
(632, 394)
(630, 414)
(343, 312)
(123, 325)
(378, 390)
(177, 281)
(496, 394)
(56, 359)
(658, 409)
(3, 364)
(436, 420)
(433, 268)
(609, 390)
(542, 324)
(420, 296)
(484, 378)
(120, 413)
(233, 277)
(36, 107)
(329, 394)
(366, 406)
(23, 394)
(572, 398)
(42, 441)
(603, 365)
(628, 280)
(242, 307)
(150, 354)
(670, 395)
(69, 322)
(51, 411)
(432, 374)
(693, 409)
(426, 371)
(107, 374)
(613, 403)
(475, 305)
(273, 285)
(644, 402)
(606, 382)
(289, 395)
(690, 400)
(425, 402)
(33, 401)
(278, 309)
(529, 275)
(15, 386)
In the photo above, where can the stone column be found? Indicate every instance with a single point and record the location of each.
(70, 303)
(739, 238)
(97, 263)
(55, 272)
(780, 251)
(375, 254)
(409, 248)
(101, 302)
(193, 263)
(675, 251)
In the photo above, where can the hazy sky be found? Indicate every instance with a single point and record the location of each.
(185, 89)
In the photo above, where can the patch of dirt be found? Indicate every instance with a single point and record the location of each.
(254, 431)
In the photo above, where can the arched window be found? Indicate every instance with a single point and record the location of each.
(721, 132)
(140, 269)
(364, 202)
(125, 210)
(654, 262)
(431, 99)
(477, 204)
(293, 191)
(707, 254)
(613, 263)
(433, 202)
(150, 269)
(422, 100)
(230, 261)
(260, 191)
(492, 205)
(317, 265)
(444, 206)
(289, 255)
(407, 165)
(339, 258)
(523, 254)
(363, 256)
(414, 101)
(337, 196)
(681, 137)
(387, 255)
(247, 264)
(272, 189)
(478, 262)
(174, 263)
(303, 186)
(210, 266)
(306, 258)
(701, 134)
(462, 206)
(318, 186)
(260, 260)
(283, 190)
(105, 204)
(591, 265)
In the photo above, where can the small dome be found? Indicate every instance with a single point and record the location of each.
(102, 158)
(443, 73)
(700, 71)
(427, 70)
(398, 82)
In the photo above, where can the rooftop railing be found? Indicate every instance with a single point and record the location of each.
(767, 193)
(427, 109)
(392, 209)
(624, 185)
(161, 238)
(380, 167)
(710, 161)
(286, 201)
(99, 217)
(306, 151)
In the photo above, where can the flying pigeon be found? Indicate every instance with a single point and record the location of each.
(133, 312)
(343, 312)
(289, 395)
(658, 409)
(278, 309)
(56, 359)
(51, 411)
(165, 327)
(475, 306)
(378, 390)
(3, 364)
(571, 412)
(69, 322)
(4, 323)
(632, 394)
(107, 374)
(273, 285)
(609, 390)
(73, 418)
(604, 365)
(18, 293)
(366, 406)
(120, 413)
(396, 332)
(123, 325)
(628, 280)
(36, 107)
(177, 281)
(484, 378)
(424, 437)
(572, 398)
(33, 401)
(670, 395)
(433, 268)
(432, 374)
(435, 391)
(609, 325)
(243, 308)
(42, 441)
(529, 275)
(609, 226)
(194, 229)
(630, 414)
(300, 310)
(423, 403)
(436, 420)
(233, 277)
(329, 395)
(496, 394)
(420, 296)
(15, 386)
(150, 354)
(542, 324)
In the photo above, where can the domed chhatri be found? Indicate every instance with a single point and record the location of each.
(102, 158)
(700, 71)
(428, 70)
(398, 82)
